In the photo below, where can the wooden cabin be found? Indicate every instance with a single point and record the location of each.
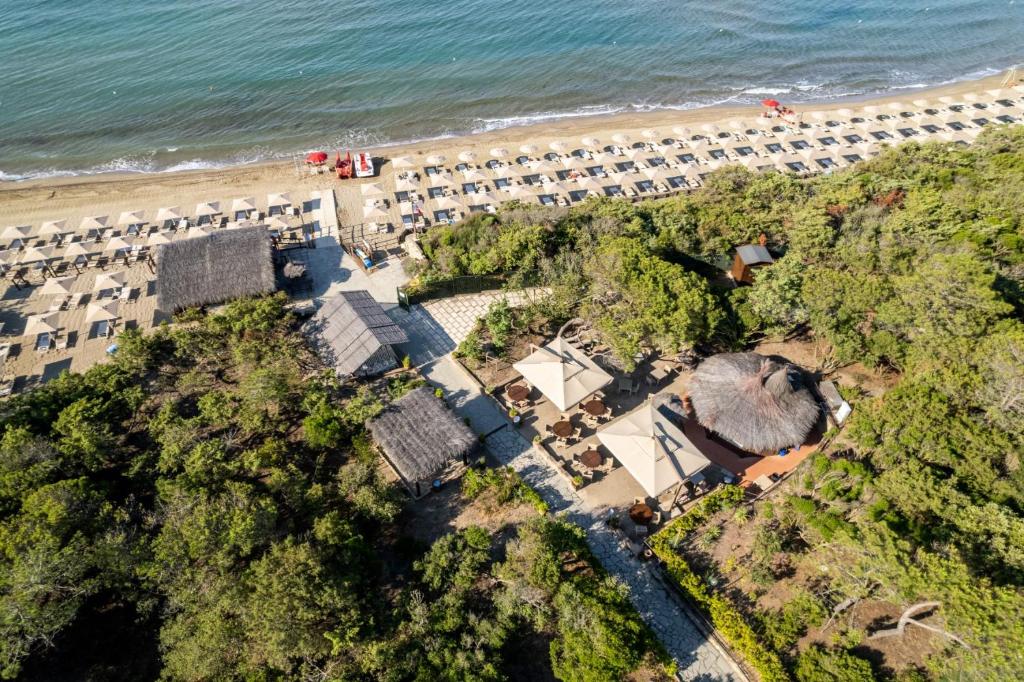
(747, 259)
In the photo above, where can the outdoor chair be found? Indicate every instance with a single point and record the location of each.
(588, 474)
(656, 518)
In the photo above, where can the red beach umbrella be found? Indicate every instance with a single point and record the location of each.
(770, 102)
(316, 157)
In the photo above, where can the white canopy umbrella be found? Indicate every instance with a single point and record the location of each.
(76, 249)
(276, 222)
(374, 213)
(36, 254)
(846, 113)
(117, 244)
(517, 191)
(621, 138)
(371, 189)
(157, 238)
(131, 218)
(479, 199)
(406, 185)
(51, 227)
(659, 173)
(198, 231)
(207, 208)
(562, 373)
(16, 232)
(467, 156)
(244, 204)
(682, 131)
(652, 448)
(573, 162)
(633, 153)
(96, 222)
(57, 286)
(542, 166)
(442, 180)
(280, 199)
(921, 103)
(650, 134)
(45, 323)
(106, 311)
(589, 183)
(168, 213)
(402, 162)
(528, 148)
(448, 203)
(591, 141)
(436, 159)
(109, 280)
(559, 146)
(499, 152)
(552, 188)
(473, 175)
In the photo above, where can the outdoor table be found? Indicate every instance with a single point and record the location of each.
(658, 373)
(595, 407)
(517, 392)
(562, 429)
(591, 458)
(641, 514)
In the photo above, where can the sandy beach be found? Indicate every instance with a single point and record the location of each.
(31, 202)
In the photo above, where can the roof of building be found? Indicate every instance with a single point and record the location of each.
(212, 268)
(754, 254)
(420, 435)
(350, 328)
(758, 403)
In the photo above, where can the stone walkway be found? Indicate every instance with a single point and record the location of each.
(434, 330)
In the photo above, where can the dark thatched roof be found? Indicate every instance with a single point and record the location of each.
(759, 404)
(213, 268)
(420, 436)
(349, 330)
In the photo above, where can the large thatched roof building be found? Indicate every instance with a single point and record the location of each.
(757, 403)
(422, 439)
(354, 335)
(212, 268)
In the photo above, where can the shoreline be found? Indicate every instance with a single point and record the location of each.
(577, 123)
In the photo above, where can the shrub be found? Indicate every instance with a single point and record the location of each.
(507, 485)
(818, 664)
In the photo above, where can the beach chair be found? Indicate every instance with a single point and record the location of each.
(126, 294)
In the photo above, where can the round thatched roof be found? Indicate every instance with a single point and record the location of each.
(758, 403)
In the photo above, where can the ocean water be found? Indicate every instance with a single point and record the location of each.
(89, 86)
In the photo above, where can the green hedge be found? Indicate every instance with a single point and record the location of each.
(726, 619)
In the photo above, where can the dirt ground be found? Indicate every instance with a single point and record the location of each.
(498, 372)
(813, 355)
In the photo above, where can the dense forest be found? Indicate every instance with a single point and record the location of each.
(207, 506)
(911, 263)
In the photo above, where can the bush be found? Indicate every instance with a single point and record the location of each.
(818, 664)
(507, 485)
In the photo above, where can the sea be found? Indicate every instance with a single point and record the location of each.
(94, 86)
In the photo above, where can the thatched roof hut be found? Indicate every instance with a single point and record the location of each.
(212, 268)
(755, 402)
(354, 335)
(421, 438)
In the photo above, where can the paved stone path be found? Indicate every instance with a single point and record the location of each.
(434, 330)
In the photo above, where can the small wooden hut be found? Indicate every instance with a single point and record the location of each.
(747, 259)
(354, 335)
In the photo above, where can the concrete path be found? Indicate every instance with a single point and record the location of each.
(434, 330)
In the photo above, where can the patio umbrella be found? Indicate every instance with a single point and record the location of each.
(97, 222)
(373, 213)
(436, 159)
(76, 249)
(117, 244)
(921, 103)
(198, 231)
(621, 138)
(406, 185)
(316, 157)
(57, 286)
(499, 152)
(591, 141)
(51, 227)
(371, 189)
(35, 254)
(589, 183)
(245, 204)
(168, 213)
(109, 280)
(650, 134)
(402, 162)
(562, 373)
(633, 153)
(573, 162)
(658, 173)
(45, 323)
(276, 222)
(467, 156)
(207, 208)
(528, 148)
(652, 448)
(157, 238)
(479, 199)
(106, 311)
(542, 166)
(131, 218)
(517, 191)
(770, 103)
(16, 232)
(473, 175)
(448, 203)
(442, 180)
(279, 199)
(552, 188)
(682, 131)
(844, 112)
(559, 146)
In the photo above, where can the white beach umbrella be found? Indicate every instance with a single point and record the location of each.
(517, 191)
(16, 232)
(652, 448)
(448, 203)
(872, 109)
(96, 222)
(921, 103)
(467, 156)
(971, 97)
(589, 183)
(51, 227)
(198, 231)
(820, 116)
(117, 244)
(279, 199)
(633, 153)
(45, 323)
(621, 138)
(658, 173)
(207, 208)
(436, 159)
(58, 286)
(682, 131)
(590, 141)
(405, 208)
(562, 373)
(402, 163)
(650, 134)
(406, 185)
(528, 148)
(710, 128)
(109, 280)
(36, 254)
(846, 113)
(947, 99)
(276, 222)
(442, 180)
(617, 178)
(479, 199)
(571, 162)
(542, 166)
(244, 204)
(552, 187)
(157, 238)
(168, 213)
(898, 107)
(499, 152)
(131, 218)
(374, 213)
(600, 158)
(473, 175)
(76, 249)
(371, 189)
(559, 146)
(105, 311)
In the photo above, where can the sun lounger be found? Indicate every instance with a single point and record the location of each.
(43, 342)
(126, 293)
